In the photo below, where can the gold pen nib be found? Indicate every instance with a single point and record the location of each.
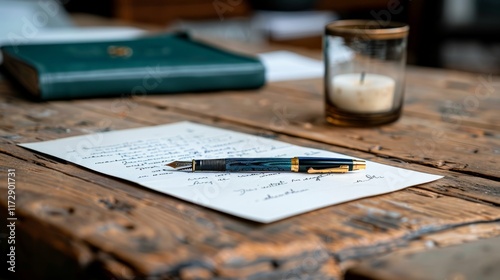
(181, 165)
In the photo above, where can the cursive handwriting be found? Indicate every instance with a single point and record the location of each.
(369, 178)
(244, 191)
(276, 184)
(145, 160)
(318, 177)
(283, 194)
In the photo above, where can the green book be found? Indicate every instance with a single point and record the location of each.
(166, 63)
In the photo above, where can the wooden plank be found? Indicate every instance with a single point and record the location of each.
(79, 120)
(345, 230)
(475, 260)
(441, 239)
(454, 97)
(464, 149)
(114, 229)
(454, 184)
(348, 237)
(128, 223)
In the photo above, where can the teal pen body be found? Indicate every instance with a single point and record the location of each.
(244, 164)
(270, 164)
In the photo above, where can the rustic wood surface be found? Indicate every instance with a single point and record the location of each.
(455, 262)
(77, 223)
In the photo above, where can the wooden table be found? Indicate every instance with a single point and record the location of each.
(73, 222)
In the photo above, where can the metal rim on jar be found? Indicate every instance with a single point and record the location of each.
(367, 29)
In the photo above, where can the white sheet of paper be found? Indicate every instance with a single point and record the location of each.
(139, 155)
(286, 65)
(292, 25)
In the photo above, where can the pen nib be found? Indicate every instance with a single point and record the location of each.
(181, 165)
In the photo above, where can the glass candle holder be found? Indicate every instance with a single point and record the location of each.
(364, 72)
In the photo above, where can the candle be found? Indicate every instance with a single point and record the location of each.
(363, 93)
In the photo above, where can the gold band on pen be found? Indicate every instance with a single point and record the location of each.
(295, 164)
(358, 165)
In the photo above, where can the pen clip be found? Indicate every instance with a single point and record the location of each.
(340, 169)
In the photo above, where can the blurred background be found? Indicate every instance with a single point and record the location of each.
(452, 34)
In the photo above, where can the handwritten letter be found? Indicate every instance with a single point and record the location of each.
(139, 155)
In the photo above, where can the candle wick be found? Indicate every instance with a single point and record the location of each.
(362, 79)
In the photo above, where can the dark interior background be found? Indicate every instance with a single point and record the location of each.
(453, 34)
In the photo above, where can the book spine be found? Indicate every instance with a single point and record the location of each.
(149, 81)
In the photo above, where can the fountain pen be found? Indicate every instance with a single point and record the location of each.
(295, 164)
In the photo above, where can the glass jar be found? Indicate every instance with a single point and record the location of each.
(364, 72)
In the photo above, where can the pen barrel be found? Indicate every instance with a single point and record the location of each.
(243, 164)
(258, 164)
(323, 163)
(297, 164)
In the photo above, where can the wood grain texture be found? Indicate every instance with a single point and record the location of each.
(131, 227)
(96, 226)
(120, 228)
(455, 98)
(441, 239)
(467, 261)
(461, 148)
(456, 184)
(103, 115)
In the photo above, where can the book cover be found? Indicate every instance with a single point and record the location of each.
(166, 63)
